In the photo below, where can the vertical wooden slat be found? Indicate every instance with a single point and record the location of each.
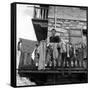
(55, 17)
(42, 13)
(45, 13)
(25, 58)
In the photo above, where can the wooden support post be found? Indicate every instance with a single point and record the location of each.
(25, 59)
(55, 16)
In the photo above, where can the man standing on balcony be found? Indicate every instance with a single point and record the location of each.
(54, 40)
(59, 49)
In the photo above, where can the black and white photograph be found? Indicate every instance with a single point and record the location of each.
(51, 44)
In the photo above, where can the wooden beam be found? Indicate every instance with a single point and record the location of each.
(68, 19)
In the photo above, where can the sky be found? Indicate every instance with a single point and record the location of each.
(25, 27)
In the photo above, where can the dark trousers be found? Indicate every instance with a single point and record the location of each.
(61, 59)
(64, 55)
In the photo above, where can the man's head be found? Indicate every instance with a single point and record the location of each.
(53, 31)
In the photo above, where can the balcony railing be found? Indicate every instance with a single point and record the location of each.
(41, 13)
